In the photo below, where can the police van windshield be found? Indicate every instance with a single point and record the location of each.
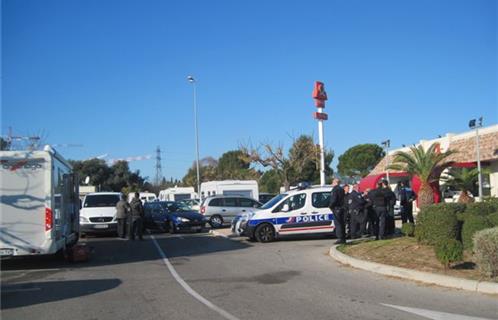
(276, 199)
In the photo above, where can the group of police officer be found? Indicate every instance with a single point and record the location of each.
(359, 214)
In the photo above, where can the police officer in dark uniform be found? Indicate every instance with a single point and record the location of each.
(380, 204)
(336, 204)
(136, 217)
(406, 197)
(371, 217)
(391, 201)
(356, 206)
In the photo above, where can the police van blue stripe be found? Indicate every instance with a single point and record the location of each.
(294, 219)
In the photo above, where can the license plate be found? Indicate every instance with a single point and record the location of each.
(197, 228)
(101, 226)
(6, 252)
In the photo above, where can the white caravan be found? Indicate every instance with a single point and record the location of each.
(39, 203)
(177, 194)
(244, 188)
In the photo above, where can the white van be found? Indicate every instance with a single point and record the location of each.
(98, 212)
(39, 203)
(300, 211)
(177, 194)
(243, 188)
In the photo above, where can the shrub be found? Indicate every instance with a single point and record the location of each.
(480, 208)
(471, 225)
(486, 251)
(449, 250)
(493, 219)
(436, 223)
(493, 201)
(408, 229)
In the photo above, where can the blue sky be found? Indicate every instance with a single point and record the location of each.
(111, 74)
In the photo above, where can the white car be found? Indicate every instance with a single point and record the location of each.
(300, 211)
(98, 212)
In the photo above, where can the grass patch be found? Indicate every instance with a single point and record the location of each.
(406, 252)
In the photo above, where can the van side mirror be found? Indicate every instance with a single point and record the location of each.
(285, 208)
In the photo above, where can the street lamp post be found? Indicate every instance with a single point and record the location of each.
(386, 145)
(193, 82)
(474, 125)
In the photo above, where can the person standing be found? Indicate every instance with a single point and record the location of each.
(391, 201)
(380, 205)
(336, 204)
(356, 206)
(347, 215)
(371, 218)
(122, 212)
(136, 219)
(406, 197)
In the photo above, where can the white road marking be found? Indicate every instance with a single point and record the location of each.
(20, 290)
(187, 288)
(29, 270)
(435, 315)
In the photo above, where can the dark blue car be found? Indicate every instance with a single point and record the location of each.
(169, 216)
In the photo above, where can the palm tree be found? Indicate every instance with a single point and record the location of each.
(463, 179)
(427, 165)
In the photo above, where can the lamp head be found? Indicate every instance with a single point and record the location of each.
(191, 79)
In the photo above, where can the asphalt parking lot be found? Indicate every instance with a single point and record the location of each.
(213, 277)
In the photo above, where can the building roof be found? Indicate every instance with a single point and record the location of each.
(464, 144)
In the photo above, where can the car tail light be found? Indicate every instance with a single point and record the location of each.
(203, 210)
(48, 219)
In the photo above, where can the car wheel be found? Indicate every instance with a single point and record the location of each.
(265, 233)
(216, 221)
(172, 228)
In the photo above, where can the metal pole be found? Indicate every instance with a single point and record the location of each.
(193, 82)
(322, 149)
(387, 144)
(479, 163)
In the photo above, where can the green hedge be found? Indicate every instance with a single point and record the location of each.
(493, 219)
(449, 250)
(480, 208)
(471, 225)
(486, 251)
(437, 223)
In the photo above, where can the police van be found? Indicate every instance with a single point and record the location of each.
(301, 211)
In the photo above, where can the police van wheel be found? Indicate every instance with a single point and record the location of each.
(265, 233)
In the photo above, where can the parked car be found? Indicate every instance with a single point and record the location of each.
(98, 212)
(173, 217)
(300, 211)
(221, 210)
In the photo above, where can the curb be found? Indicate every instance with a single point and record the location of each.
(425, 277)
